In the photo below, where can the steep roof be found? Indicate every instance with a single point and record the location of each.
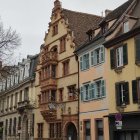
(79, 23)
(116, 13)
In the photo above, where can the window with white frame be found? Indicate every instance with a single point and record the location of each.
(84, 62)
(126, 26)
(12, 80)
(21, 74)
(3, 84)
(95, 90)
(0, 86)
(97, 56)
(16, 77)
(27, 67)
(8, 82)
(119, 56)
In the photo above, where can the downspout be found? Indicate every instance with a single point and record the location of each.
(78, 102)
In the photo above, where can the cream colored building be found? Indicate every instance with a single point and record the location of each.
(17, 101)
(57, 113)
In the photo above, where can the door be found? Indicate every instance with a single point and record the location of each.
(71, 132)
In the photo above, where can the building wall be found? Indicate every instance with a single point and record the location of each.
(129, 72)
(97, 108)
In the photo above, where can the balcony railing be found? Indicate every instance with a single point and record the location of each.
(23, 105)
(49, 57)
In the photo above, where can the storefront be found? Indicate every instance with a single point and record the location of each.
(1, 130)
(130, 128)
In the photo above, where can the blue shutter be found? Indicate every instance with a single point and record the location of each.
(81, 63)
(92, 58)
(102, 54)
(87, 61)
(84, 62)
(93, 91)
(81, 92)
(103, 88)
(90, 91)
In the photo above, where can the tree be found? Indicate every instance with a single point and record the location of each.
(9, 41)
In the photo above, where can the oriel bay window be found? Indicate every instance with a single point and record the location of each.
(122, 93)
(118, 57)
(95, 90)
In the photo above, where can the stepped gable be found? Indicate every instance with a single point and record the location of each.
(79, 23)
(117, 13)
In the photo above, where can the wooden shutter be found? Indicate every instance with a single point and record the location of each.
(92, 61)
(118, 95)
(87, 61)
(81, 92)
(94, 58)
(137, 43)
(112, 58)
(125, 54)
(102, 54)
(103, 88)
(81, 63)
(126, 92)
(92, 90)
(134, 91)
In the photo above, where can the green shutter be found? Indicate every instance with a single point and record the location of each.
(103, 88)
(118, 94)
(102, 55)
(81, 63)
(112, 58)
(87, 61)
(137, 44)
(134, 91)
(92, 90)
(92, 58)
(81, 92)
(125, 54)
(126, 92)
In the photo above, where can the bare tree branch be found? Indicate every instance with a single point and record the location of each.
(9, 41)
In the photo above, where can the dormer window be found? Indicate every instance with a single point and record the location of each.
(55, 30)
(91, 35)
(126, 27)
(104, 28)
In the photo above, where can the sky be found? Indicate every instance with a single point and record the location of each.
(30, 18)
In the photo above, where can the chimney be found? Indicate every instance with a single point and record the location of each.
(107, 11)
(57, 5)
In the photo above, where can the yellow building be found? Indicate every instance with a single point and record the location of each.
(57, 112)
(123, 53)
